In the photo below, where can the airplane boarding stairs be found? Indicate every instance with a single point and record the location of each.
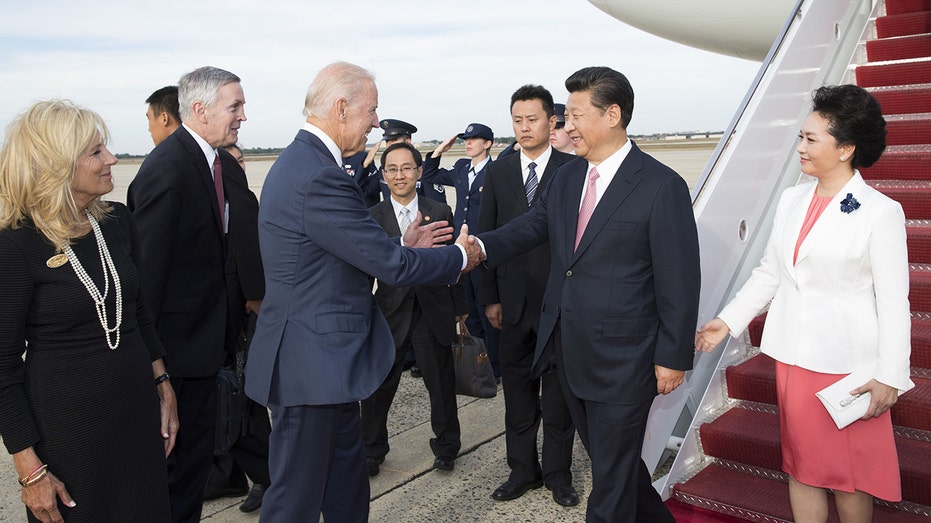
(731, 461)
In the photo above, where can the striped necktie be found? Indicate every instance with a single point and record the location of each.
(531, 186)
(405, 219)
(218, 187)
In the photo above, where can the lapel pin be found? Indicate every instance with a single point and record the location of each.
(57, 261)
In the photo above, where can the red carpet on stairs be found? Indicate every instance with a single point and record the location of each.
(742, 480)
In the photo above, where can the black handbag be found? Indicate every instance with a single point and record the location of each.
(474, 375)
(230, 399)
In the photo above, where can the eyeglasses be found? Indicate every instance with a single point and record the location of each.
(406, 169)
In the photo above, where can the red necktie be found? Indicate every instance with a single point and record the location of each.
(218, 187)
(588, 206)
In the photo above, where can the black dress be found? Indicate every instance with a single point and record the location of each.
(91, 413)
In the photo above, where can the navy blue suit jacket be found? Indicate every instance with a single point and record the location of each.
(468, 197)
(321, 338)
(628, 297)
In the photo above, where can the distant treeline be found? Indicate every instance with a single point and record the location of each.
(254, 151)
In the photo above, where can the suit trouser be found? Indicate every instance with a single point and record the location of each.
(317, 465)
(478, 324)
(622, 490)
(525, 405)
(189, 463)
(439, 376)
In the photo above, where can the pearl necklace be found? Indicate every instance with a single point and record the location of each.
(109, 270)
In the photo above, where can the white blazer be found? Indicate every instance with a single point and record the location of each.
(844, 304)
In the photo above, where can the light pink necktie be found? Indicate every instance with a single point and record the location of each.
(588, 206)
(218, 187)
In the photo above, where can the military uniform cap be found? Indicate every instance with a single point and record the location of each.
(394, 128)
(477, 130)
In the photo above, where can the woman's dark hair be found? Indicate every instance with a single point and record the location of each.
(854, 118)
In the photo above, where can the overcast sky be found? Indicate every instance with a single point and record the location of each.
(439, 65)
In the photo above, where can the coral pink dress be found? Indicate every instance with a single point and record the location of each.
(861, 457)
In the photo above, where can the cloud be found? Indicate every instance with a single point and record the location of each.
(438, 65)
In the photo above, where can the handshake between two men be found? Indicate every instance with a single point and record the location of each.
(438, 234)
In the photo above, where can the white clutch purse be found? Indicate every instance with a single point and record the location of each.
(844, 408)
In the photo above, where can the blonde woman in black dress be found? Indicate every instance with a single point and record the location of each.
(88, 414)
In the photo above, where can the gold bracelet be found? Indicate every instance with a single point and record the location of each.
(34, 476)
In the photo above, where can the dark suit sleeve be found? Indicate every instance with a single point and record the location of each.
(155, 201)
(143, 315)
(336, 219)
(487, 220)
(676, 274)
(243, 234)
(521, 234)
(433, 173)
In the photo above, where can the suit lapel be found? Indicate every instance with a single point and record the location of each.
(203, 172)
(514, 178)
(829, 220)
(625, 180)
(384, 215)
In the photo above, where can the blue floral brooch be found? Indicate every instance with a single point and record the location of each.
(849, 204)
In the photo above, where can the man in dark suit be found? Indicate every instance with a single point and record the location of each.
(621, 300)
(422, 316)
(185, 198)
(321, 344)
(513, 294)
(468, 177)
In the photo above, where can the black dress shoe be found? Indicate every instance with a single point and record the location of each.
(416, 372)
(253, 501)
(372, 464)
(510, 490)
(566, 495)
(444, 463)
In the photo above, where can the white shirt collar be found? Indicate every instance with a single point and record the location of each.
(541, 161)
(481, 165)
(209, 152)
(327, 141)
(609, 166)
(412, 207)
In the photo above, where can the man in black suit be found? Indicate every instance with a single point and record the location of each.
(621, 301)
(513, 294)
(187, 195)
(422, 316)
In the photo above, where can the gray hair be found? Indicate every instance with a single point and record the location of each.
(202, 85)
(335, 81)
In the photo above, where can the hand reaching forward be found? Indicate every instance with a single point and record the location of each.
(711, 334)
(472, 248)
(434, 234)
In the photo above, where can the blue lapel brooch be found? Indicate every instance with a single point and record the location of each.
(849, 204)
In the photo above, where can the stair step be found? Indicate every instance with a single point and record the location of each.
(904, 99)
(909, 129)
(918, 237)
(761, 499)
(901, 162)
(904, 24)
(752, 438)
(897, 7)
(921, 341)
(744, 436)
(899, 48)
(753, 380)
(915, 198)
(919, 293)
(900, 72)
(913, 409)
